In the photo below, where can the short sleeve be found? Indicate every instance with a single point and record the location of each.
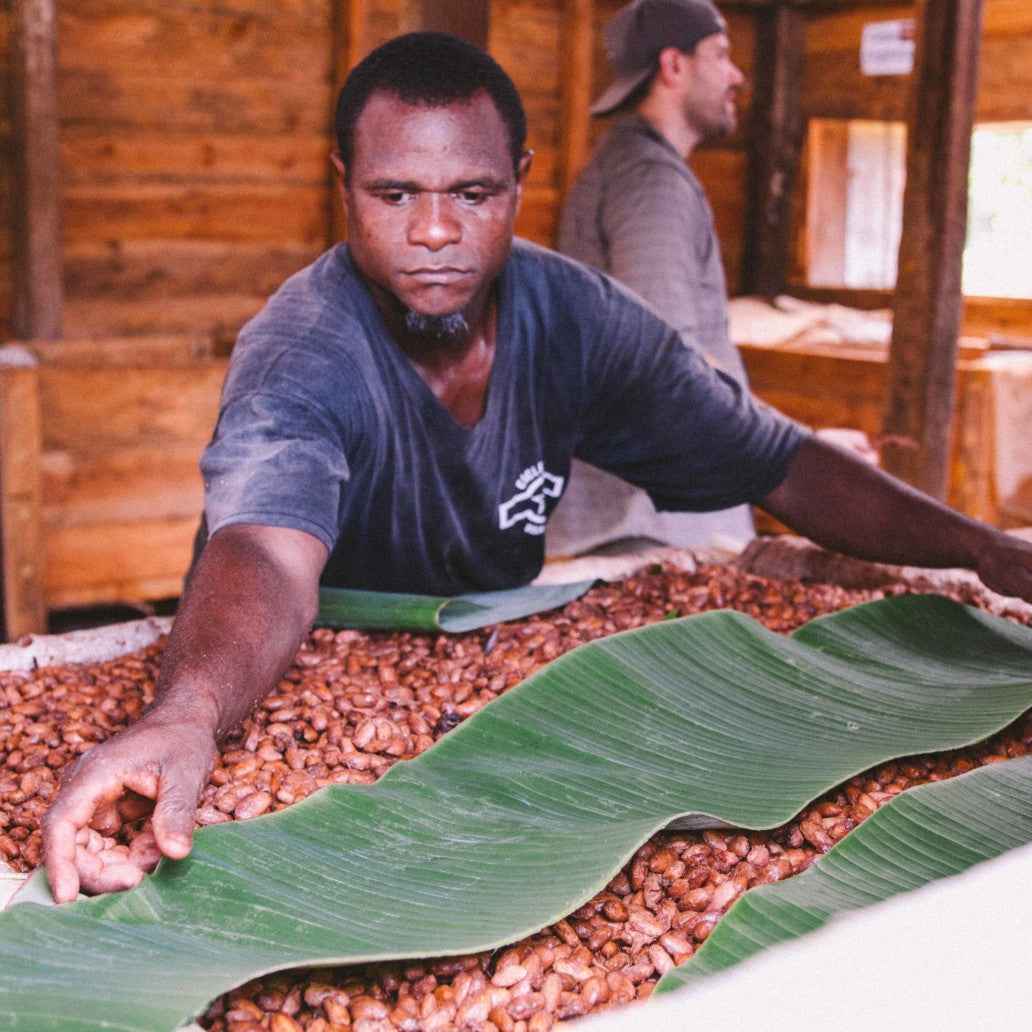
(274, 461)
(662, 418)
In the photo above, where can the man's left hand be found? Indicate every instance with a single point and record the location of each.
(1005, 565)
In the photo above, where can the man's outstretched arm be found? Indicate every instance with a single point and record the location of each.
(251, 600)
(847, 505)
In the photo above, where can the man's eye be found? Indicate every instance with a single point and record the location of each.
(395, 196)
(471, 196)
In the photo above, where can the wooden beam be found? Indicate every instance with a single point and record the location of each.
(576, 53)
(353, 18)
(350, 35)
(21, 554)
(928, 300)
(775, 147)
(470, 19)
(37, 167)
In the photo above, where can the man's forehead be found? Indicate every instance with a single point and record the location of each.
(479, 108)
(469, 131)
(718, 43)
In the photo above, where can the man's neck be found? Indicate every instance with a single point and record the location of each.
(456, 367)
(667, 120)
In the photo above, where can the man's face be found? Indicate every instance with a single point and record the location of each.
(712, 89)
(431, 199)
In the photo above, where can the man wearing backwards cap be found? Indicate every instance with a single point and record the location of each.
(638, 213)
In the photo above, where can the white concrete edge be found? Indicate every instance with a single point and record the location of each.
(94, 645)
(10, 882)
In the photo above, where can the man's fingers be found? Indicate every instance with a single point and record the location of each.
(148, 767)
(59, 855)
(88, 799)
(107, 874)
(144, 851)
(175, 812)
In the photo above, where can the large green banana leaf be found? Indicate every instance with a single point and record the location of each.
(380, 610)
(930, 832)
(526, 810)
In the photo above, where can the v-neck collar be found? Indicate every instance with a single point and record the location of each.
(433, 412)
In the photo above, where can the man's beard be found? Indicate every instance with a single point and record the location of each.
(451, 327)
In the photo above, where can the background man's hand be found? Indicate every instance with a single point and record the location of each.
(855, 441)
(153, 765)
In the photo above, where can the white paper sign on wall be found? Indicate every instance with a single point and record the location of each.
(887, 47)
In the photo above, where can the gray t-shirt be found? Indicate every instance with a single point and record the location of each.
(326, 427)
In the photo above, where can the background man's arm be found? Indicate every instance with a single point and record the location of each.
(251, 600)
(847, 505)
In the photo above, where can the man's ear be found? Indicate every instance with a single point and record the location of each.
(673, 65)
(523, 168)
(342, 172)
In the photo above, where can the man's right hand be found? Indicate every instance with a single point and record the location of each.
(154, 765)
(250, 602)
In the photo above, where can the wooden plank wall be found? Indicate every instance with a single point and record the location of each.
(6, 182)
(194, 138)
(194, 158)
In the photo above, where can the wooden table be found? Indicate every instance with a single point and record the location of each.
(836, 385)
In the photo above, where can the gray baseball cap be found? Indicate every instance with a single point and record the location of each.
(636, 34)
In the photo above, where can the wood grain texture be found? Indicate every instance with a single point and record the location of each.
(36, 188)
(834, 386)
(101, 492)
(927, 305)
(575, 90)
(20, 515)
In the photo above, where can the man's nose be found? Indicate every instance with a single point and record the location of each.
(433, 223)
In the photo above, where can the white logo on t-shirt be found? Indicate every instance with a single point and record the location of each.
(534, 485)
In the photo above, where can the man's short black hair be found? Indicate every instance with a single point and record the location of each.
(432, 69)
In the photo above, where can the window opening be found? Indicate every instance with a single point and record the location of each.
(857, 170)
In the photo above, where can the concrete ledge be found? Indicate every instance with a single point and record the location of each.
(87, 646)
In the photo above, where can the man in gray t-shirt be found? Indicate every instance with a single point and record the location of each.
(638, 213)
(326, 427)
(433, 379)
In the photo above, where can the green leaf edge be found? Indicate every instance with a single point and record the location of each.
(900, 848)
(387, 611)
(116, 931)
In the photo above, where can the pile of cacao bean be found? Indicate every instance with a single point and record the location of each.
(354, 703)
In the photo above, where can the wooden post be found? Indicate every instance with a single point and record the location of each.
(350, 41)
(576, 52)
(353, 25)
(21, 561)
(470, 19)
(775, 146)
(37, 167)
(927, 307)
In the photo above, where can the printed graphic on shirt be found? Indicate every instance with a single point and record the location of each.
(534, 487)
